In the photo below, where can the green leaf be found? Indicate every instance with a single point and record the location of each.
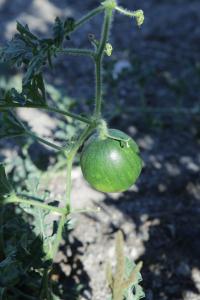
(11, 98)
(5, 187)
(34, 91)
(69, 25)
(34, 68)
(10, 126)
(10, 269)
(25, 32)
(16, 52)
(42, 226)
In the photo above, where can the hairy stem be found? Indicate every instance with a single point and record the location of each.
(98, 62)
(19, 198)
(67, 206)
(70, 158)
(97, 114)
(98, 96)
(69, 184)
(43, 141)
(35, 136)
(75, 51)
(50, 109)
(88, 16)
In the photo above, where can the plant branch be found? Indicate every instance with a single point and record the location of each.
(69, 114)
(36, 137)
(105, 32)
(69, 184)
(68, 207)
(50, 109)
(88, 16)
(70, 158)
(75, 51)
(98, 61)
(43, 141)
(19, 198)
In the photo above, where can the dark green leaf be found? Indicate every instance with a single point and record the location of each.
(58, 32)
(33, 95)
(34, 91)
(34, 68)
(10, 126)
(16, 52)
(20, 49)
(11, 98)
(5, 187)
(10, 270)
(24, 31)
(69, 25)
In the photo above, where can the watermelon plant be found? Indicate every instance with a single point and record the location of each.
(110, 159)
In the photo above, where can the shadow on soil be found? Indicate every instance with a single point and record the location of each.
(166, 212)
(22, 262)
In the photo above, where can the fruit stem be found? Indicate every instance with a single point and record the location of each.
(102, 129)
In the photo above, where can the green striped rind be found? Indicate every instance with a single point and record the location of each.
(110, 165)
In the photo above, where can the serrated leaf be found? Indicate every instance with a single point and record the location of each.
(11, 98)
(43, 227)
(16, 52)
(24, 30)
(34, 91)
(34, 68)
(32, 95)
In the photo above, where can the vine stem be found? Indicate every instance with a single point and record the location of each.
(35, 136)
(63, 217)
(19, 198)
(97, 114)
(76, 51)
(70, 159)
(43, 141)
(88, 16)
(98, 61)
(50, 109)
